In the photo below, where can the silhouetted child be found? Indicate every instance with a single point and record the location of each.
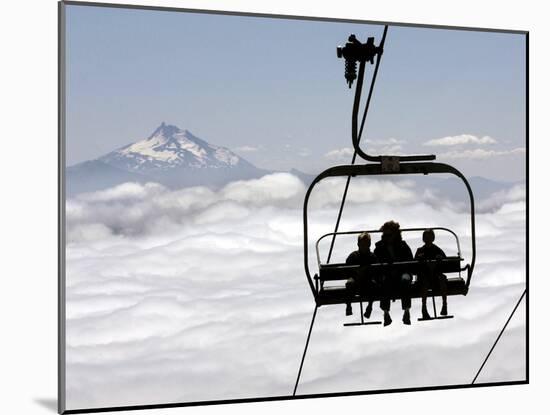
(360, 282)
(430, 251)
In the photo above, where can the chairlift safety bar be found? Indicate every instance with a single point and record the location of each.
(370, 231)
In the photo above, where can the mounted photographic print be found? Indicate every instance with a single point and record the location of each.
(259, 207)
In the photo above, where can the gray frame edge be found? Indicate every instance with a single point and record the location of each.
(290, 17)
(61, 131)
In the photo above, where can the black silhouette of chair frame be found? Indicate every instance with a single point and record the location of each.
(327, 272)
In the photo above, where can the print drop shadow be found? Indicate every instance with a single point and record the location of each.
(48, 403)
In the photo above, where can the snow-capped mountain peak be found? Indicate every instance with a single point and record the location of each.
(170, 156)
(169, 147)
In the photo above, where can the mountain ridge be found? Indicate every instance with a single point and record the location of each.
(170, 156)
(171, 147)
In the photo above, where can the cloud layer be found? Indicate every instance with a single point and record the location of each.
(481, 154)
(189, 295)
(461, 148)
(340, 154)
(384, 146)
(460, 140)
(247, 149)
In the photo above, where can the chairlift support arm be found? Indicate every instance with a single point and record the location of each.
(356, 52)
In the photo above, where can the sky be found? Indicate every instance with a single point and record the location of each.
(273, 90)
(194, 294)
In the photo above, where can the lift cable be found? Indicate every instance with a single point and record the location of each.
(305, 350)
(499, 336)
(358, 87)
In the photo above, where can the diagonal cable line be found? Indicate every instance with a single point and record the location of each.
(499, 336)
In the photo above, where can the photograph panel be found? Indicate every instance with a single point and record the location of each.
(191, 141)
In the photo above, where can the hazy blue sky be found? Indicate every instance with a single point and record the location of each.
(274, 91)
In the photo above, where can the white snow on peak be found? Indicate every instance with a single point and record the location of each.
(190, 146)
(226, 156)
(147, 148)
(170, 146)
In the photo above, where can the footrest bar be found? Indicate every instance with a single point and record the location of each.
(435, 318)
(369, 323)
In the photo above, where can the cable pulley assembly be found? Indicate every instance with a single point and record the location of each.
(354, 51)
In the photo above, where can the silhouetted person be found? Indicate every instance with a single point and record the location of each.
(426, 279)
(360, 282)
(392, 248)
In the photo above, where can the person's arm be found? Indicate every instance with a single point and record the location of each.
(373, 258)
(350, 260)
(353, 259)
(378, 253)
(408, 255)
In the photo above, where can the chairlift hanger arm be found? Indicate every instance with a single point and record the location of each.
(353, 52)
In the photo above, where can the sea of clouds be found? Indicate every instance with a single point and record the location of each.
(197, 295)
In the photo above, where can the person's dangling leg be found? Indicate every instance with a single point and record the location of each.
(350, 290)
(385, 306)
(443, 287)
(423, 282)
(368, 310)
(366, 289)
(385, 302)
(404, 291)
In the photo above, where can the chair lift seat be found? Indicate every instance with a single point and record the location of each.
(339, 272)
